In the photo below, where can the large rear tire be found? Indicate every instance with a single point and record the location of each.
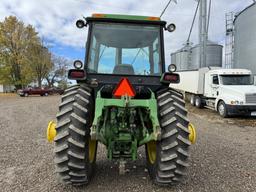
(75, 152)
(167, 165)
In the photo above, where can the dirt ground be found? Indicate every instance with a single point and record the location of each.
(223, 159)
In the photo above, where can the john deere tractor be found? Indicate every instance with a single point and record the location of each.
(122, 99)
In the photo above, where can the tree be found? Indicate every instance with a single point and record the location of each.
(58, 72)
(15, 39)
(40, 62)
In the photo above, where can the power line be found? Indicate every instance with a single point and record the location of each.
(119, 8)
(167, 7)
(209, 15)
(193, 22)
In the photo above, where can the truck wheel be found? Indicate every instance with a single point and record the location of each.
(46, 94)
(26, 94)
(198, 102)
(75, 152)
(192, 100)
(222, 109)
(167, 159)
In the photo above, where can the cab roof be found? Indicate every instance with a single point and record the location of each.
(126, 18)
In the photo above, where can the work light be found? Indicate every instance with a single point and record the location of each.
(78, 64)
(172, 68)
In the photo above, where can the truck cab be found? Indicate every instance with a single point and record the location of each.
(233, 90)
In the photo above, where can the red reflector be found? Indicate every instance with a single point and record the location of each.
(123, 88)
(77, 74)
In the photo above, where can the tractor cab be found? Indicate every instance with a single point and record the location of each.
(120, 46)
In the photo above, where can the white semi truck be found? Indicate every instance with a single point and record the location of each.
(228, 91)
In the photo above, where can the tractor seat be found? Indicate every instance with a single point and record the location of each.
(123, 69)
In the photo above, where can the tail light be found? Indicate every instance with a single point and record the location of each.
(76, 74)
(170, 78)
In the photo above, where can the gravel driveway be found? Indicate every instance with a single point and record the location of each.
(223, 159)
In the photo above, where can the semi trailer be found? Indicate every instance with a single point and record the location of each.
(227, 91)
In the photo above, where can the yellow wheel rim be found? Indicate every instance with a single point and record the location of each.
(151, 149)
(92, 150)
(192, 133)
(51, 131)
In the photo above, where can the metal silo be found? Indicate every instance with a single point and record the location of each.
(245, 39)
(182, 58)
(213, 56)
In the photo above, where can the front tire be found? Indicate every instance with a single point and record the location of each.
(168, 166)
(75, 152)
(222, 109)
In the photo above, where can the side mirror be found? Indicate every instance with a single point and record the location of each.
(171, 27)
(80, 24)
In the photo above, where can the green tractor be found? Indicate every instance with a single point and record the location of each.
(123, 100)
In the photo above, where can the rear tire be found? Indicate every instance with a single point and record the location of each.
(72, 142)
(198, 102)
(192, 100)
(172, 151)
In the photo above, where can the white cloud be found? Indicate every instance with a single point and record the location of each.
(55, 20)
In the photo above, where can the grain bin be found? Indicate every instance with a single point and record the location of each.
(182, 58)
(213, 56)
(245, 39)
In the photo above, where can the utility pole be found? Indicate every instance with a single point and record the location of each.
(203, 32)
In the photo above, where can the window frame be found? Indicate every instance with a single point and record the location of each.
(161, 42)
(215, 75)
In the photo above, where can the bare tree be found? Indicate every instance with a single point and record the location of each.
(58, 72)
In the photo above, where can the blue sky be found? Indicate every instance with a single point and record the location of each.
(70, 52)
(55, 20)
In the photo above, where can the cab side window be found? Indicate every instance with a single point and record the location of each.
(215, 80)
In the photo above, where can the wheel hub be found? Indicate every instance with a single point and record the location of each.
(192, 133)
(151, 150)
(221, 109)
(92, 150)
(51, 131)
